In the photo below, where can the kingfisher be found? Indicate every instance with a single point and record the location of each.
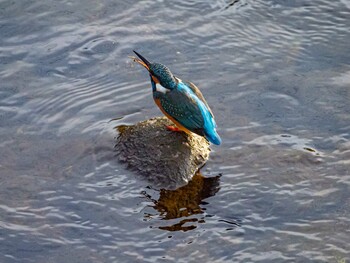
(181, 101)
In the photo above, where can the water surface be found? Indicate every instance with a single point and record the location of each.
(277, 76)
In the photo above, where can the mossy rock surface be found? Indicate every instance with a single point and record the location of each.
(165, 158)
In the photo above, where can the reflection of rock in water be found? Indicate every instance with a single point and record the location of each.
(185, 201)
(167, 159)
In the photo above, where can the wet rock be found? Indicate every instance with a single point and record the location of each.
(167, 159)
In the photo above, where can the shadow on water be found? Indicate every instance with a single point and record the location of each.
(184, 202)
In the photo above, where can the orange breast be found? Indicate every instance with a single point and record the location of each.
(181, 127)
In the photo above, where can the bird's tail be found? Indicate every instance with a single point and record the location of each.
(213, 137)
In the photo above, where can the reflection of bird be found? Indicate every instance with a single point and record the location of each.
(185, 203)
(181, 101)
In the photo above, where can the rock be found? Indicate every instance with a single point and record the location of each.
(167, 159)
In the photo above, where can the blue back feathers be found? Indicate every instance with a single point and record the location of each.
(209, 127)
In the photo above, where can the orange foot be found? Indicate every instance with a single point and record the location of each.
(172, 128)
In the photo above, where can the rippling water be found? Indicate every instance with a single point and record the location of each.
(277, 76)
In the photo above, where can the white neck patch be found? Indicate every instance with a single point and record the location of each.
(161, 89)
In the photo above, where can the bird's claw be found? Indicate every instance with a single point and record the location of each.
(172, 128)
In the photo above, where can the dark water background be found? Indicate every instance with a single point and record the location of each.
(277, 76)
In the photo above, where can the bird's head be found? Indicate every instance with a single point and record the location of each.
(158, 72)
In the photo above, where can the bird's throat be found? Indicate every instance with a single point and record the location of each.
(161, 89)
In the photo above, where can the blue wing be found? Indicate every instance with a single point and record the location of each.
(191, 111)
(199, 94)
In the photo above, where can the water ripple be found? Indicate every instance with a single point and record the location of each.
(276, 75)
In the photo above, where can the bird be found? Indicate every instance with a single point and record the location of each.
(181, 101)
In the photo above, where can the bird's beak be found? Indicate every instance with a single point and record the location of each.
(144, 62)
